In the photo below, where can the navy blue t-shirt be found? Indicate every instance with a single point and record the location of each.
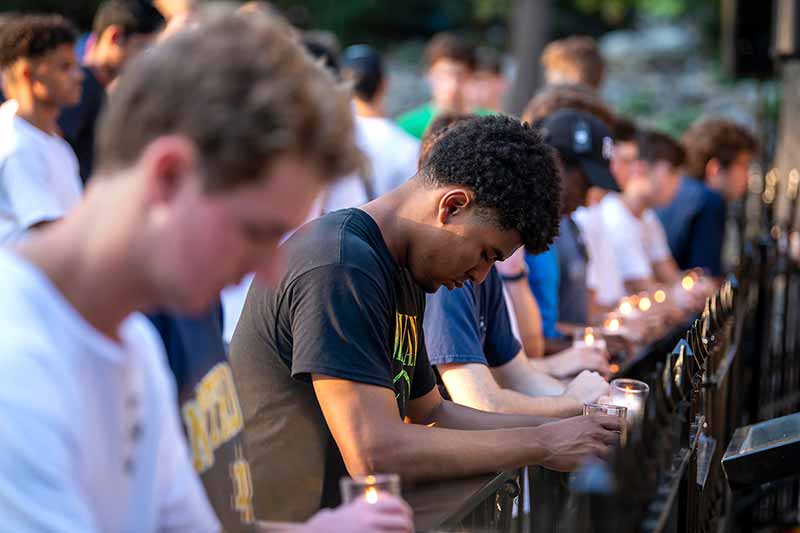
(470, 325)
(695, 226)
(210, 411)
(78, 122)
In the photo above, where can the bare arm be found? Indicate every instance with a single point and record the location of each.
(639, 285)
(529, 319)
(366, 425)
(666, 271)
(473, 385)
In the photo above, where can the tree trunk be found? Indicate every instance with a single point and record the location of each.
(530, 23)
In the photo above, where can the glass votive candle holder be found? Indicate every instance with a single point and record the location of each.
(369, 487)
(609, 410)
(588, 338)
(632, 394)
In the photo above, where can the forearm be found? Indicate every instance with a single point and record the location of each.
(529, 319)
(639, 285)
(666, 271)
(533, 380)
(420, 453)
(454, 416)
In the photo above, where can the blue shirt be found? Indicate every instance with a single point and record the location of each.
(544, 277)
(695, 226)
(470, 325)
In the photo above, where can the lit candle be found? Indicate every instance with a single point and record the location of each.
(644, 304)
(587, 338)
(371, 495)
(632, 394)
(687, 283)
(612, 324)
(625, 307)
(369, 487)
(660, 296)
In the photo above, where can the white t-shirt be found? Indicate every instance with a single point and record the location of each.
(39, 177)
(89, 429)
(637, 243)
(602, 273)
(392, 153)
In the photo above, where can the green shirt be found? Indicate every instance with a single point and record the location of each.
(416, 121)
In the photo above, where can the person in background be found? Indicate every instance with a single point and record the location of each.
(121, 30)
(603, 281)
(486, 87)
(574, 60)
(90, 436)
(641, 251)
(718, 153)
(390, 151)
(449, 60)
(39, 179)
(333, 360)
(558, 277)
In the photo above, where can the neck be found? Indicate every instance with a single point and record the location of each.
(397, 214)
(368, 109)
(100, 68)
(635, 205)
(91, 261)
(42, 115)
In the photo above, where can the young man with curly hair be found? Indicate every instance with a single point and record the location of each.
(718, 154)
(188, 195)
(332, 360)
(39, 179)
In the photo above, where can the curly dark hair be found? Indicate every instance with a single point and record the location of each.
(32, 36)
(438, 126)
(712, 138)
(133, 16)
(511, 170)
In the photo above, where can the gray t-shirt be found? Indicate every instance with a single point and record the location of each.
(572, 261)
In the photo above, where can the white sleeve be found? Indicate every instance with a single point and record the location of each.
(624, 232)
(655, 238)
(39, 485)
(26, 180)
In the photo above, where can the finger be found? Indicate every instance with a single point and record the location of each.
(601, 451)
(612, 423)
(387, 503)
(393, 523)
(610, 437)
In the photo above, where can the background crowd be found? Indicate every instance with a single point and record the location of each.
(437, 314)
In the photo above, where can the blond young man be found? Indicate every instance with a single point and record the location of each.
(188, 195)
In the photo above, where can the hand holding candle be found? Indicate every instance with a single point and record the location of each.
(369, 488)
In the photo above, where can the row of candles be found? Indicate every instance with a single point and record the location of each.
(627, 398)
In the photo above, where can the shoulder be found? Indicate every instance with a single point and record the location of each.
(415, 121)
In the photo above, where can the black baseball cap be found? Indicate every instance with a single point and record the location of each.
(584, 139)
(363, 65)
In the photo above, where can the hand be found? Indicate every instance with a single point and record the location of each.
(571, 361)
(587, 388)
(513, 265)
(568, 442)
(388, 514)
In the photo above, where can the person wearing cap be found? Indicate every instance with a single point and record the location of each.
(390, 151)
(584, 146)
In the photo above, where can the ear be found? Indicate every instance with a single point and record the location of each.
(114, 35)
(712, 169)
(168, 165)
(453, 203)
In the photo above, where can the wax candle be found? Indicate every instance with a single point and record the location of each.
(369, 487)
(632, 394)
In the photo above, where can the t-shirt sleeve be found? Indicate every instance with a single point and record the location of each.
(656, 238)
(25, 179)
(544, 279)
(340, 325)
(707, 235)
(452, 334)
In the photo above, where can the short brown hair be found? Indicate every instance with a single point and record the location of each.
(715, 138)
(556, 97)
(578, 58)
(441, 123)
(448, 45)
(625, 130)
(242, 90)
(655, 146)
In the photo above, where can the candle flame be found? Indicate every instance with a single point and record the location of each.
(644, 303)
(612, 324)
(371, 495)
(625, 308)
(687, 283)
(589, 339)
(614, 368)
(660, 296)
